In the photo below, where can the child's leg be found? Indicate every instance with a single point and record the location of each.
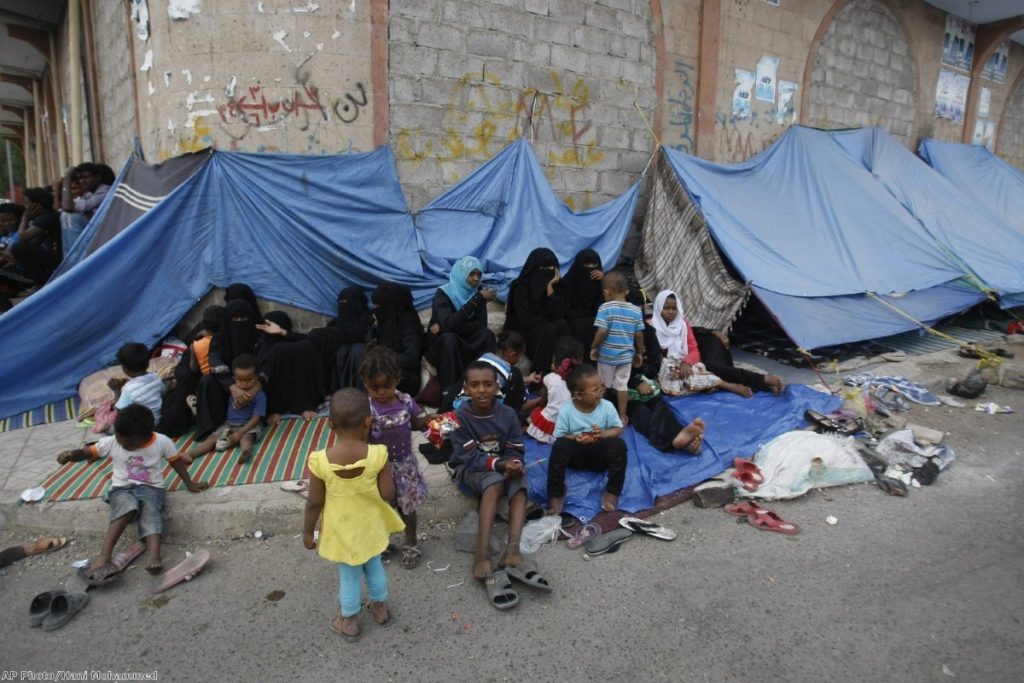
(114, 531)
(377, 588)
(516, 519)
(612, 453)
(156, 564)
(206, 446)
(488, 506)
(350, 588)
(561, 453)
(151, 523)
(622, 397)
(410, 552)
(246, 443)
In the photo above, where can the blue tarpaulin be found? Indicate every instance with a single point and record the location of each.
(805, 224)
(972, 234)
(295, 228)
(991, 182)
(506, 208)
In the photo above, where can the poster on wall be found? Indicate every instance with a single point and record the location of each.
(984, 134)
(786, 113)
(985, 101)
(995, 67)
(958, 43)
(767, 70)
(741, 95)
(951, 96)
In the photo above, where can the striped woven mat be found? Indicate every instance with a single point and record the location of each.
(280, 455)
(58, 411)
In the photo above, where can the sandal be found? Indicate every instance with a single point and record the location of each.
(411, 556)
(768, 520)
(500, 591)
(586, 532)
(747, 507)
(528, 573)
(100, 576)
(338, 626)
(651, 529)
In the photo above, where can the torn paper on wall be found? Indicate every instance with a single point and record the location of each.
(985, 101)
(995, 67)
(767, 70)
(741, 95)
(786, 113)
(179, 10)
(140, 15)
(951, 96)
(147, 61)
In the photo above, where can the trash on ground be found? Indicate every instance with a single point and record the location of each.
(832, 520)
(993, 409)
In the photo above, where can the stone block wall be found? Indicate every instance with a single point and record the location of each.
(467, 77)
(1010, 143)
(680, 67)
(114, 81)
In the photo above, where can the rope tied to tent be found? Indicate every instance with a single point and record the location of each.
(987, 357)
(807, 357)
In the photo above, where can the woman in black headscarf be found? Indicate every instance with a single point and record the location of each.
(245, 293)
(238, 336)
(289, 364)
(536, 307)
(397, 326)
(582, 288)
(342, 343)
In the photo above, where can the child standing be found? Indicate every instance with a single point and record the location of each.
(619, 341)
(587, 437)
(350, 485)
(487, 456)
(395, 415)
(568, 354)
(243, 421)
(136, 491)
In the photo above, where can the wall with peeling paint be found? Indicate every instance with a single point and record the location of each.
(114, 66)
(679, 67)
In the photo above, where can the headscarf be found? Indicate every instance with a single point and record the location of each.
(533, 276)
(584, 294)
(393, 308)
(244, 292)
(354, 319)
(671, 336)
(237, 337)
(457, 289)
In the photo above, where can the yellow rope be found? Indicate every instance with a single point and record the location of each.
(657, 142)
(987, 357)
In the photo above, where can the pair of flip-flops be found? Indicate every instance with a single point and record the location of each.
(747, 474)
(762, 518)
(647, 528)
(54, 609)
(834, 422)
(499, 584)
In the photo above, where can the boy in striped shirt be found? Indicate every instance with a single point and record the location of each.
(619, 341)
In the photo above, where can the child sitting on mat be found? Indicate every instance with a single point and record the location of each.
(395, 415)
(141, 386)
(137, 455)
(243, 422)
(487, 456)
(587, 437)
(350, 485)
(566, 355)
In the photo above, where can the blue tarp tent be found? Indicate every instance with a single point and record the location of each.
(295, 228)
(969, 233)
(506, 208)
(828, 250)
(991, 182)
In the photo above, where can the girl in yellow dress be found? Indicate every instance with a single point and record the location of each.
(351, 485)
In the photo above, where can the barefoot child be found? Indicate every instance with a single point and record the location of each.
(587, 437)
(395, 415)
(619, 340)
(487, 456)
(243, 423)
(567, 355)
(136, 492)
(681, 370)
(350, 485)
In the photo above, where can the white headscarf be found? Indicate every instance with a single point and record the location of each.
(671, 337)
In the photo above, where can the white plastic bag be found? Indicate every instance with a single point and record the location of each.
(540, 531)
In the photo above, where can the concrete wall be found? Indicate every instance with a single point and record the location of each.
(1011, 137)
(679, 69)
(469, 76)
(114, 81)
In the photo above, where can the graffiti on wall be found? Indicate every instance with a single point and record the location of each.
(738, 139)
(680, 108)
(483, 115)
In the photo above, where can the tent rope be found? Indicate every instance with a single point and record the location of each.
(657, 141)
(810, 361)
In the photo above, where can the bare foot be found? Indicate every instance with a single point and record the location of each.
(482, 568)
(690, 437)
(273, 419)
(555, 506)
(245, 456)
(155, 566)
(775, 383)
(609, 501)
(511, 560)
(308, 415)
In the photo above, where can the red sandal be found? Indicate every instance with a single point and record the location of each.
(747, 474)
(767, 520)
(744, 509)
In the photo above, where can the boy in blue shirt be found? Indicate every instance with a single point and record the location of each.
(243, 422)
(587, 437)
(619, 340)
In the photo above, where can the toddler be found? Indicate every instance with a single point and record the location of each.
(395, 415)
(141, 386)
(568, 354)
(349, 487)
(619, 340)
(243, 426)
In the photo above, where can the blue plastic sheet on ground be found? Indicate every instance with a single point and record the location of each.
(737, 427)
(990, 181)
(506, 208)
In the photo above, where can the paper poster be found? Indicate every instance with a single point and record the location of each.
(741, 95)
(995, 67)
(140, 15)
(958, 43)
(951, 96)
(985, 101)
(786, 113)
(979, 132)
(989, 139)
(767, 69)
